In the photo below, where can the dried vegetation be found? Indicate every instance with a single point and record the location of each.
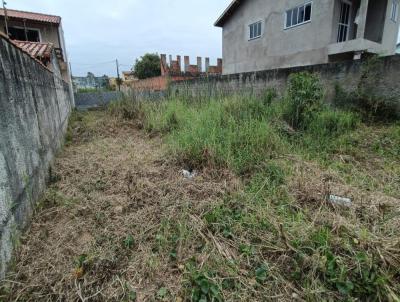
(121, 223)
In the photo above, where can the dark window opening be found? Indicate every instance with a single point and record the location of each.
(17, 33)
(308, 13)
(375, 24)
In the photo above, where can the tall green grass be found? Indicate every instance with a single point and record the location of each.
(258, 138)
(233, 133)
(241, 133)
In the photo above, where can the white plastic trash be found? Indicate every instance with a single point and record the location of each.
(189, 174)
(340, 201)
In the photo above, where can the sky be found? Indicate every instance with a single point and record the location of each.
(97, 32)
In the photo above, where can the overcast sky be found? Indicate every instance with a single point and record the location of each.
(97, 31)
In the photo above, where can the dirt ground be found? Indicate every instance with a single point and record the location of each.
(92, 238)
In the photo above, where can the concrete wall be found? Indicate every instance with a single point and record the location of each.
(34, 108)
(346, 74)
(301, 45)
(89, 100)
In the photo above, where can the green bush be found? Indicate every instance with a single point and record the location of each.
(304, 98)
(330, 122)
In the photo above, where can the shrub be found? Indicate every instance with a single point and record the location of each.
(126, 109)
(304, 98)
(329, 122)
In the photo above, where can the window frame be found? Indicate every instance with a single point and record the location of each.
(394, 16)
(250, 27)
(30, 28)
(298, 9)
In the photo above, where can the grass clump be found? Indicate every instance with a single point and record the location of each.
(234, 134)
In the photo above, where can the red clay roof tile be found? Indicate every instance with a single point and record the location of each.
(31, 16)
(36, 49)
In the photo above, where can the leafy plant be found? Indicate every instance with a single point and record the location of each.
(304, 98)
(203, 289)
(129, 242)
(261, 273)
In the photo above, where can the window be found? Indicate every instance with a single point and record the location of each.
(255, 30)
(18, 33)
(395, 10)
(298, 15)
(344, 22)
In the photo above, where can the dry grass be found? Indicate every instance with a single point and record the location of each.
(115, 184)
(122, 224)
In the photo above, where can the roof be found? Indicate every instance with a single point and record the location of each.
(13, 42)
(229, 11)
(17, 14)
(36, 49)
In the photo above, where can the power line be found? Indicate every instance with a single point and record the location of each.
(95, 64)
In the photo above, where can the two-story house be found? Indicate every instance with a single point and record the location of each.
(35, 33)
(267, 34)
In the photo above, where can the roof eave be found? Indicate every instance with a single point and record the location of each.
(33, 20)
(227, 13)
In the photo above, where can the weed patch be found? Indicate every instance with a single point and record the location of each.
(121, 223)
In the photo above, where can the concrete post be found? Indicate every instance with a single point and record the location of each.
(170, 60)
(178, 59)
(219, 64)
(207, 64)
(199, 64)
(186, 62)
(363, 19)
(163, 64)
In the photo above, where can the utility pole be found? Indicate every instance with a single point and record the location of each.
(6, 17)
(118, 78)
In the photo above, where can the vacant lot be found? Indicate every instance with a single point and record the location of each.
(120, 222)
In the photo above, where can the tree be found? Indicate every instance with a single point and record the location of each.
(147, 66)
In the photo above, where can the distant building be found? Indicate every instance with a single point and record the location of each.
(266, 34)
(43, 34)
(129, 76)
(90, 82)
(113, 83)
